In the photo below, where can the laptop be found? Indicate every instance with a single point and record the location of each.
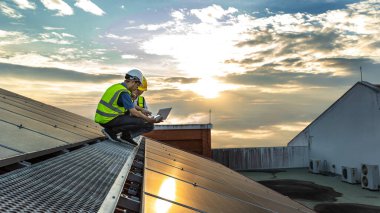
(163, 113)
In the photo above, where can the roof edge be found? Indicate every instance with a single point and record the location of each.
(182, 126)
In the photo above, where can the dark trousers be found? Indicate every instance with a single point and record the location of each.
(128, 125)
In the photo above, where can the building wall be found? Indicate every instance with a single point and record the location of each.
(262, 158)
(192, 140)
(348, 134)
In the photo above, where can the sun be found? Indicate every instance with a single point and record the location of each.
(208, 87)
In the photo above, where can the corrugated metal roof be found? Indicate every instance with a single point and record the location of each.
(77, 181)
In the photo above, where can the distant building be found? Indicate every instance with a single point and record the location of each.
(348, 132)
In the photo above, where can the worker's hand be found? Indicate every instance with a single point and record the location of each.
(160, 119)
(152, 120)
(146, 112)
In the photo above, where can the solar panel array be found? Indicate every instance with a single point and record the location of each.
(177, 181)
(28, 126)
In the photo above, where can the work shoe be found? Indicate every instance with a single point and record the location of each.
(111, 136)
(128, 139)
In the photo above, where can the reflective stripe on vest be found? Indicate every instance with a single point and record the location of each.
(141, 101)
(107, 107)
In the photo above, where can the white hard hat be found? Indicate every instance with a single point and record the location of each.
(134, 74)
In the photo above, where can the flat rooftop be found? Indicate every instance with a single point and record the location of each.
(311, 195)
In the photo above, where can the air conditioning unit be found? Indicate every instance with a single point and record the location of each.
(315, 166)
(370, 177)
(349, 174)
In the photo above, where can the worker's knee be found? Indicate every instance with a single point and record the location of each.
(149, 127)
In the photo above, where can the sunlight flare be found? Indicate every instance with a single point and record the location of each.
(208, 87)
(167, 191)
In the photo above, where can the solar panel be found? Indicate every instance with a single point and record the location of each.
(187, 194)
(42, 106)
(30, 128)
(51, 113)
(153, 204)
(199, 177)
(25, 140)
(198, 163)
(6, 153)
(43, 118)
(209, 184)
(38, 127)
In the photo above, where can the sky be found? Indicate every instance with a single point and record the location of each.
(265, 68)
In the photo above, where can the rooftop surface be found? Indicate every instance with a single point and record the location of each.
(52, 160)
(350, 193)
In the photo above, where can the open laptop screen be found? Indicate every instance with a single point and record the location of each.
(164, 112)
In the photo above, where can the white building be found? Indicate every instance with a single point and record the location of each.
(348, 132)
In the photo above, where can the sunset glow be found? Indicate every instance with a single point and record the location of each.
(264, 69)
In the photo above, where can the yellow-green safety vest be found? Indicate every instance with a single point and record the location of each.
(107, 107)
(141, 101)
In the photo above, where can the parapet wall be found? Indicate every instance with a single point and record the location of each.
(262, 158)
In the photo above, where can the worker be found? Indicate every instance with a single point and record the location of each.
(117, 114)
(139, 100)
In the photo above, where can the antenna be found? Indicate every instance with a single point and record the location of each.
(361, 74)
(209, 116)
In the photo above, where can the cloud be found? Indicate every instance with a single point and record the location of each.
(263, 136)
(53, 28)
(25, 4)
(292, 127)
(181, 80)
(246, 134)
(8, 11)
(226, 41)
(178, 15)
(270, 77)
(113, 36)
(90, 7)
(77, 59)
(274, 74)
(195, 118)
(154, 27)
(127, 56)
(56, 38)
(53, 74)
(59, 5)
(12, 37)
(81, 98)
(212, 14)
(208, 44)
